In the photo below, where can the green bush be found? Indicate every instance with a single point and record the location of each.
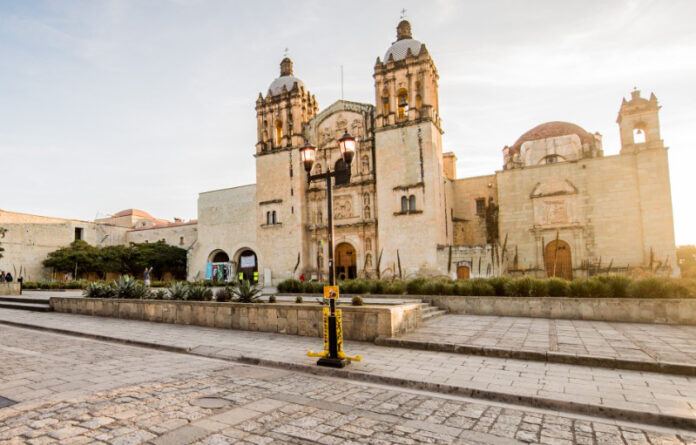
(618, 285)
(433, 287)
(463, 288)
(657, 288)
(396, 287)
(415, 286)
(481, 288)
(178, 290)
(197, 292)
(558, 287)
(100, 290)
(498, 284)
(298, 299)
(589, 288)
(159, 294)
(378, 287)
(224, 294)
(527, 287)
(272, 299)
(130, 288)
(357, 301)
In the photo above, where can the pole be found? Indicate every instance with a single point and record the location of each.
(332, 269)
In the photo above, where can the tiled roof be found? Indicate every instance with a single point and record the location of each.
(549, 130)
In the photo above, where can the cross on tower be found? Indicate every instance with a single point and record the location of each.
(285, 52)
(403, 14)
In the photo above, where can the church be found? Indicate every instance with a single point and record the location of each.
(558, 206)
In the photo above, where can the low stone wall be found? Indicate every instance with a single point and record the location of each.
(359, 322)
(9, 288)
(633, 310)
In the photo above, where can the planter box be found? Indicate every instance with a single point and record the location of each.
(9, 288)
(633, 310)
(363, 323)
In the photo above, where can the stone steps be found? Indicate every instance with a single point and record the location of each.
(429, 311)
(27, 304)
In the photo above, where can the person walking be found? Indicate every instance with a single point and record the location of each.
(20, 280)
(147, 276)
(8, 277)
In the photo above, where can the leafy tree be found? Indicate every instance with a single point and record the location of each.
(78, 257)
(160, 256)
(686, 257)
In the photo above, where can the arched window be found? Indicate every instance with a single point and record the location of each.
(404, 204)
(181, 240)
(402, 101)
(268, 217)
(419, 101)
(412, 203)
(385, 101)
(278, 133)
(273, 217)
(551, 159)
(638, 135)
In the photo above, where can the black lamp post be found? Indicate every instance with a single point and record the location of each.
(308, 155)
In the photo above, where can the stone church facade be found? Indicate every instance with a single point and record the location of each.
(558, 207)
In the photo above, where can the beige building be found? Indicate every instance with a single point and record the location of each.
(557, 207)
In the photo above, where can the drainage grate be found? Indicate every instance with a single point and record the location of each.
(5, 402)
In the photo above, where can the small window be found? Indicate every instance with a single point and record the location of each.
(412, 203)
(273, 216)
(79, 231)
(404, 204)
(385, 101)
(639, 135)
(402, 102)
(268, 217)
(551, 159)
(278, 133)
(480, 206)
(181, 240)
(419, 101)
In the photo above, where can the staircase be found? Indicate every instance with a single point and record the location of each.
(26, 304)
(429, 311)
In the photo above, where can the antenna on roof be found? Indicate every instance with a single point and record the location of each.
(403, 14)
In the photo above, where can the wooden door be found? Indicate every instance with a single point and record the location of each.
(345, 262)
(558, 260)
(463, 272)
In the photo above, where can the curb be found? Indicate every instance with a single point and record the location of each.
(496, 396)
(683, 369)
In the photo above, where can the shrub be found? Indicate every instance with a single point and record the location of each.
(313, 287)
(178, 290)
(520, 287)
(448, 288)
(481, 288)
(433, 287)
(558, 287)
(100, 290)
(358, 286)
(246, 292)
(159, 294)
(357, 301)
(130, 288)
(378, 287)
(272, 299)
(589, 288)
(498, 284)
(463, 288)
(224, 294)
(298, 299)
(415, 286)
(657, 288)
(396, 287)
(288, 285)
(197, 292)
(618, 285)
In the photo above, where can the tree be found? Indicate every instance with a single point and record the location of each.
(686, 257)
(160, 256)
(79, 257)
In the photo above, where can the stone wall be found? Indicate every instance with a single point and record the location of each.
(363, 323)
(632, 310)
(9, 288)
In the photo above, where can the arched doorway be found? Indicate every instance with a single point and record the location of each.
(463, 272)
(218, 267)
(558, 260)
(346, 262)
(248, 266)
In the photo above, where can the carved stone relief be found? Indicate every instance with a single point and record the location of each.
(343, 207)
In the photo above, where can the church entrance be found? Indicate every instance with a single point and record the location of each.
(346, 262)
(558, 260)
(463, 272)
(248, 266)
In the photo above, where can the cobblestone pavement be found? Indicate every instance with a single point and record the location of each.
(597, 388)
(204, 401)
(630, 341)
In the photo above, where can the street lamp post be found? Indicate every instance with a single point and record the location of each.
(346, 144)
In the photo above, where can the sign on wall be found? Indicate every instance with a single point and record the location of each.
(247, 261)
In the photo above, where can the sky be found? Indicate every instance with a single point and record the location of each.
(108, 105)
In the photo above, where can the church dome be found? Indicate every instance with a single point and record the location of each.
(286, 79)
(550, 130)
(404, 42)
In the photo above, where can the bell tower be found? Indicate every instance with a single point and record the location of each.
(411, 185)
(639, 123)
(280, 207)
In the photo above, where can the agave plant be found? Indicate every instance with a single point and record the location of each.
(100, 290)
(178, 291)
(246, 292)
(129, 287)
(199, 293)
(224, 294)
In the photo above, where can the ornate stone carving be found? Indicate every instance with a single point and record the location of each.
(343, 207)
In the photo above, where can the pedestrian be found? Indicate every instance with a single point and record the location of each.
(20, 280)
(302, 277)
(8, 277)
(147, 276)
(2, 276)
